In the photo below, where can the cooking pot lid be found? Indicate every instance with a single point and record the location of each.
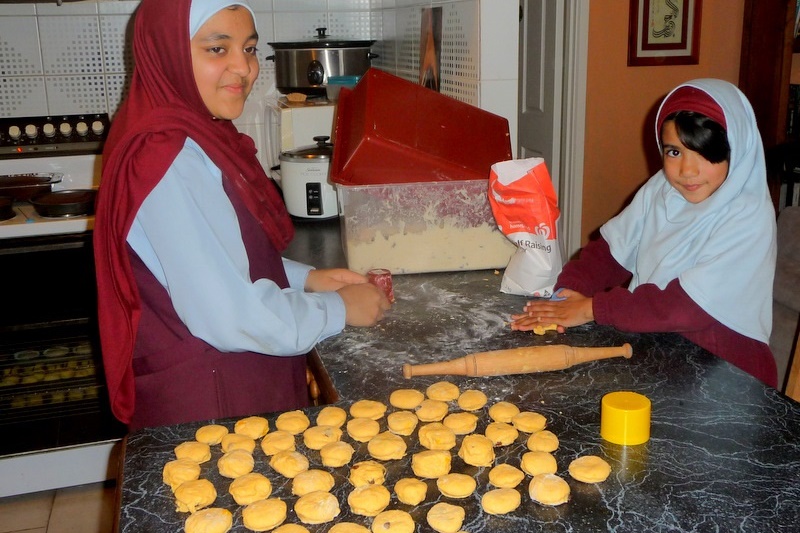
(322, 150)
(321, 41)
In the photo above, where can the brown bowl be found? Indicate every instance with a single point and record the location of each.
(23, 187)
(69, 202)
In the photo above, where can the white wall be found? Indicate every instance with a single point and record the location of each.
(76, 58)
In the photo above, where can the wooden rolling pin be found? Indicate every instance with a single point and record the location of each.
(517, 361)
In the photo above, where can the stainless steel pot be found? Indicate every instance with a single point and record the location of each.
(304, 66)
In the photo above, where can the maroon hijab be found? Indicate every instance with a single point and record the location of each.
(162, 109)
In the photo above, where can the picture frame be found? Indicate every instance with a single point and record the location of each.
(664, 32)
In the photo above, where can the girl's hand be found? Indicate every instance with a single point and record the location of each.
(575, 309)
(365, 304)
(332, 279)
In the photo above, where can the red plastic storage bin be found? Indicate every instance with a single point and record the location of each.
(411, 170)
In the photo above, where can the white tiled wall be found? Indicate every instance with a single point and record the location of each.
(76, 58)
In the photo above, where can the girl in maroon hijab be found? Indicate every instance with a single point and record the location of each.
(200, 317)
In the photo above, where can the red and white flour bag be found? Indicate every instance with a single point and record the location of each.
(525, 208)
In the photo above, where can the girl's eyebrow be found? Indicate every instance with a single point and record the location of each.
(226, 37)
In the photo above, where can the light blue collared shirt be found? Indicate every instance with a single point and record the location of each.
(187, 233)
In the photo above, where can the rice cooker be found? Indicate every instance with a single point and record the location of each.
(307, 190)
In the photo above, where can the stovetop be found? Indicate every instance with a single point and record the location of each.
(70, 145)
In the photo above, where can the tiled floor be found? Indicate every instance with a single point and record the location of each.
(82, 509)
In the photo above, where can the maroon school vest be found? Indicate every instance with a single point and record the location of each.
(180, 378)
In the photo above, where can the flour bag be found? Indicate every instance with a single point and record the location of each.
(526, 210)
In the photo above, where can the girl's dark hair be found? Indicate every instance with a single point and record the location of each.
(701, 134)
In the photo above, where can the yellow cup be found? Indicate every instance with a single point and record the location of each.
(625, 418)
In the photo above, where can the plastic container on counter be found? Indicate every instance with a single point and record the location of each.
(411, 167)
(335, 84)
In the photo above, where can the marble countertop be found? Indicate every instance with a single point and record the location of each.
(724, 452)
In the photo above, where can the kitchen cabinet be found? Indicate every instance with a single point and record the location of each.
(764, 76)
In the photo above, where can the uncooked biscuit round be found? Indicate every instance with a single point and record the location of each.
(316, 437)
(543, 441)
(235, 463)
(506, 476)
(249, 488)
(254, 427)
(529, 422)
(462, 423)
(535, 463)
(237, 441)
(369, 500)
(178, 471)
(455, 485)
(336, 454)
(393, 521)
(548, 489)
(199, 452)
(436, 436)
(589, 469)
(406, 398)
(317, 507)
(445, 517)
(264, 515)
(368, 409)
(431, 464)
(477, 450)
(291, 528)
(211, 520)
(194, 495)
(402, 422)
(501, 501)
(277, 441)
(443, 391)
(289, 463)
(431, 410)
(472, 400)
(210, 434)
(310, 481)
(386, 446)
(332, 416)
(348, 527)
(410, 490)
(501, 433)
(503, 412)
(362, 429)
(367, 473)
(295, 422)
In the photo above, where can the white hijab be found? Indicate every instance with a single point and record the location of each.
(202, 10)
(723, 249)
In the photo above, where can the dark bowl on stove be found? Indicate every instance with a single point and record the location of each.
(69, 202)
(6, 208)
(23, 187)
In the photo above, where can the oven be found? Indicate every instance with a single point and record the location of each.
(54, 413)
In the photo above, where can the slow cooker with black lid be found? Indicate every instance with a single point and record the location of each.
(304, 66)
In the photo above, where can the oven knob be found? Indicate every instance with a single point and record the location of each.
(98, 127)
(82, 129)
(65, 129)
(49, 130)
(14, 132)
(31, 131)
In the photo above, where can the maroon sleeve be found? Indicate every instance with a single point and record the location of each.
(593, 271)
(650, 309)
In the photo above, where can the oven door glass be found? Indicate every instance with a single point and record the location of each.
(52, 386)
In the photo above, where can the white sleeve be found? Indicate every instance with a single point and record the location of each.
(187, 233)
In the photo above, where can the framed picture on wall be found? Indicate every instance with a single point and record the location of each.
(664, 32)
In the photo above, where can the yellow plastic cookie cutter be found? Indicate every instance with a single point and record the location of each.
(625, 418)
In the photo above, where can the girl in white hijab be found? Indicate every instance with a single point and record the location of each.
(694, 252)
